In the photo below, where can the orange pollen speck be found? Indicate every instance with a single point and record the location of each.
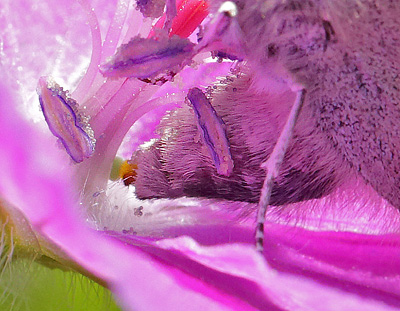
(127, 172)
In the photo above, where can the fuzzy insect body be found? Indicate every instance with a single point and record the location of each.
(345, 54)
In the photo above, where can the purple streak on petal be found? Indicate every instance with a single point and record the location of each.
(62, 118)
(237, 270)
(146, 58)
(287, 290)
(365, 264)
(360, 269)
(234, 291)
(213, 131)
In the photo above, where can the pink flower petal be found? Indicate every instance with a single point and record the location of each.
(30, 181)
(209, 264)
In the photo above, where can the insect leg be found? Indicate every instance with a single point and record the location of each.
(272, 166)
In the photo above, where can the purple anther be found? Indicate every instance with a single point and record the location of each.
(64, 120)
(213, 131)
(147, 58)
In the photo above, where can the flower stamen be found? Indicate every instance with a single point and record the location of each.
(65, 120)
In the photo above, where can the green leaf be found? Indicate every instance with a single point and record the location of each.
(27, 285)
